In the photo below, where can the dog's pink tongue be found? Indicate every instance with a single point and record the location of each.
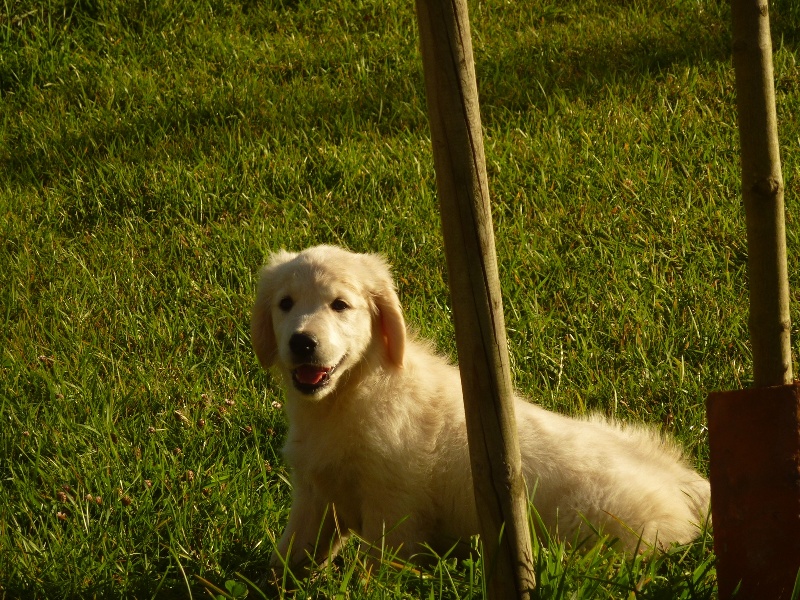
(309, 374)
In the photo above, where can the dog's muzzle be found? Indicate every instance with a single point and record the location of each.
(309, 377)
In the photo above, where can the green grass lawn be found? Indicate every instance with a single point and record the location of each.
(152, 154)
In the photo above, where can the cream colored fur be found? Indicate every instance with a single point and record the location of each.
(381, 449)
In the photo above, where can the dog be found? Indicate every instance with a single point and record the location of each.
(377, 441)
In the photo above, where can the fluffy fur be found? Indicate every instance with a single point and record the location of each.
(377, 441)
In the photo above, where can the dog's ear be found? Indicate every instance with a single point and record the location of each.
(261, 330)
(390, 314)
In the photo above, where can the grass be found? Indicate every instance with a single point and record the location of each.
(152, 154)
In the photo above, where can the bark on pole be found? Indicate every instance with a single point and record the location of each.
(461, 179)
(754, 434)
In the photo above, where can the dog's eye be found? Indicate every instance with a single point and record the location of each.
(339, 305)
(286, 304)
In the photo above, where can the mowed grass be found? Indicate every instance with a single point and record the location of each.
(153, 154)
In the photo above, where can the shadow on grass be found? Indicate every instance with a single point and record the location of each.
(550, 59)
(518, 74)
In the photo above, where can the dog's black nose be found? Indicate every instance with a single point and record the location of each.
(302, 345)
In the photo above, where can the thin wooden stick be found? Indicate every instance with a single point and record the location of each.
(475, 290)
(762, 191)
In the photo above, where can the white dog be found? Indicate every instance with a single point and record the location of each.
(377, 442)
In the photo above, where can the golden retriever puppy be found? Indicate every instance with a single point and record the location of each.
(377, 442)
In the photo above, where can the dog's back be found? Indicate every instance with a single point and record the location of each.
(626, 481)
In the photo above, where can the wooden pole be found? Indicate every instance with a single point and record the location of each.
(754, 435)
(457, 139)
(762, 192)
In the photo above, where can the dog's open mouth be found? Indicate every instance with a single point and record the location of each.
(310, 378)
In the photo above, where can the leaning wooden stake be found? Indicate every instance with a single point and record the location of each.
(754, 435)
(475, 290)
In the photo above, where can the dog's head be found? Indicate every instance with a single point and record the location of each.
(318, 313)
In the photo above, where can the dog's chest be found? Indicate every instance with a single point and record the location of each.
(342, 461)
(328, 455)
